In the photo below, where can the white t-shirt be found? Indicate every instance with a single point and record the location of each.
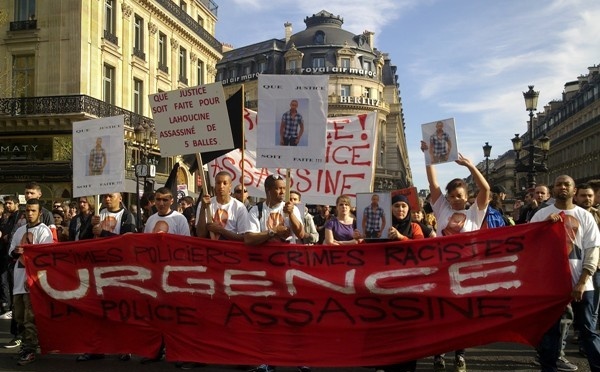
(233, 215)
(451, 222)
(172, 223)
(111, 221)
(582, 233)
(39, 234)
(272, 217)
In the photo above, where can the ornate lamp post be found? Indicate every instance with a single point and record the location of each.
(487, 150)
(144, 136)
(532, 167)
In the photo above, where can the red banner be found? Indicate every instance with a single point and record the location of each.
(225, 303)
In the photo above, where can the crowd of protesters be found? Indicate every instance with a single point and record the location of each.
(229, 215)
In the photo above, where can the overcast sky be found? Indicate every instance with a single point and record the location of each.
(466, 59)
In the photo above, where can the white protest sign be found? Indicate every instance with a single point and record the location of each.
(98, 156)
(291, 124)
(348, 168)
(191, 120)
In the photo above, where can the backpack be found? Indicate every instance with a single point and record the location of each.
(259, 205)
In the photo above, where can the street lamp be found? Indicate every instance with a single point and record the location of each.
(532, 166)
(487, 150)
(144, 135)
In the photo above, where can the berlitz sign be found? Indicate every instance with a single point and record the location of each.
(360, 100)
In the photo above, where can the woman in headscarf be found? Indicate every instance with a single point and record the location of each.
(402, 227)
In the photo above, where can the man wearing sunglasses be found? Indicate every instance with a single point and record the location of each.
(241, 194)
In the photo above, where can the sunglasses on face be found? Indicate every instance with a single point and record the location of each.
(237, 191)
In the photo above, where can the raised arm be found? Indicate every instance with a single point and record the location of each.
(483, 196)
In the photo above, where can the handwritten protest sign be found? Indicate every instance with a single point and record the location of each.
(222, 302)
(348, 167)
(191, 120)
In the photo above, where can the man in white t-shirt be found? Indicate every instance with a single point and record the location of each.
(275, 219)
(583, 242)
(278, 220)
(222, 217)
(33, 232)
(166, 220)
(114, 219)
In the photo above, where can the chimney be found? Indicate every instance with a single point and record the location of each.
(227, 47)
(370, 36)
(288, 31)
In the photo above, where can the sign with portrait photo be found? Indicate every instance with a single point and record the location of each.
(439, 141)
(98, 156)
(291, 124)
(374, 214)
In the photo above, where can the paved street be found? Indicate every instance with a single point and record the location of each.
(495, 357)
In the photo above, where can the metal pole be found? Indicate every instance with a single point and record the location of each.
(531, 173)
(138, 221)
(487, 167)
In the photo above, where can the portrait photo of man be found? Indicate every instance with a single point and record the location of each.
(291, 127)
(97, 159)
(439, 142)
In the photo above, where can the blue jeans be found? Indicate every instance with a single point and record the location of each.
(596, 281)
(549, 348)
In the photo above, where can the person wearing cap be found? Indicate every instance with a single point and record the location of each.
(494, 216)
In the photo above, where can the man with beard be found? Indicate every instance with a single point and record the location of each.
(585, 198)
(222, 217)
(276, 220)
(583, 241)
(34, 232)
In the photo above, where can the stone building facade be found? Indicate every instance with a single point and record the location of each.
(361, 79)
(71, 60)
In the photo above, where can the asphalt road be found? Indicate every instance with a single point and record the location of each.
(494, 357)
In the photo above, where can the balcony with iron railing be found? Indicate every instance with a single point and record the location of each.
(190, 22)
(110, 36)
(75, 104)
(23, 25)
(139, 53)
(163, 67)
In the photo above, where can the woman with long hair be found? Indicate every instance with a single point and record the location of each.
(342, 228)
